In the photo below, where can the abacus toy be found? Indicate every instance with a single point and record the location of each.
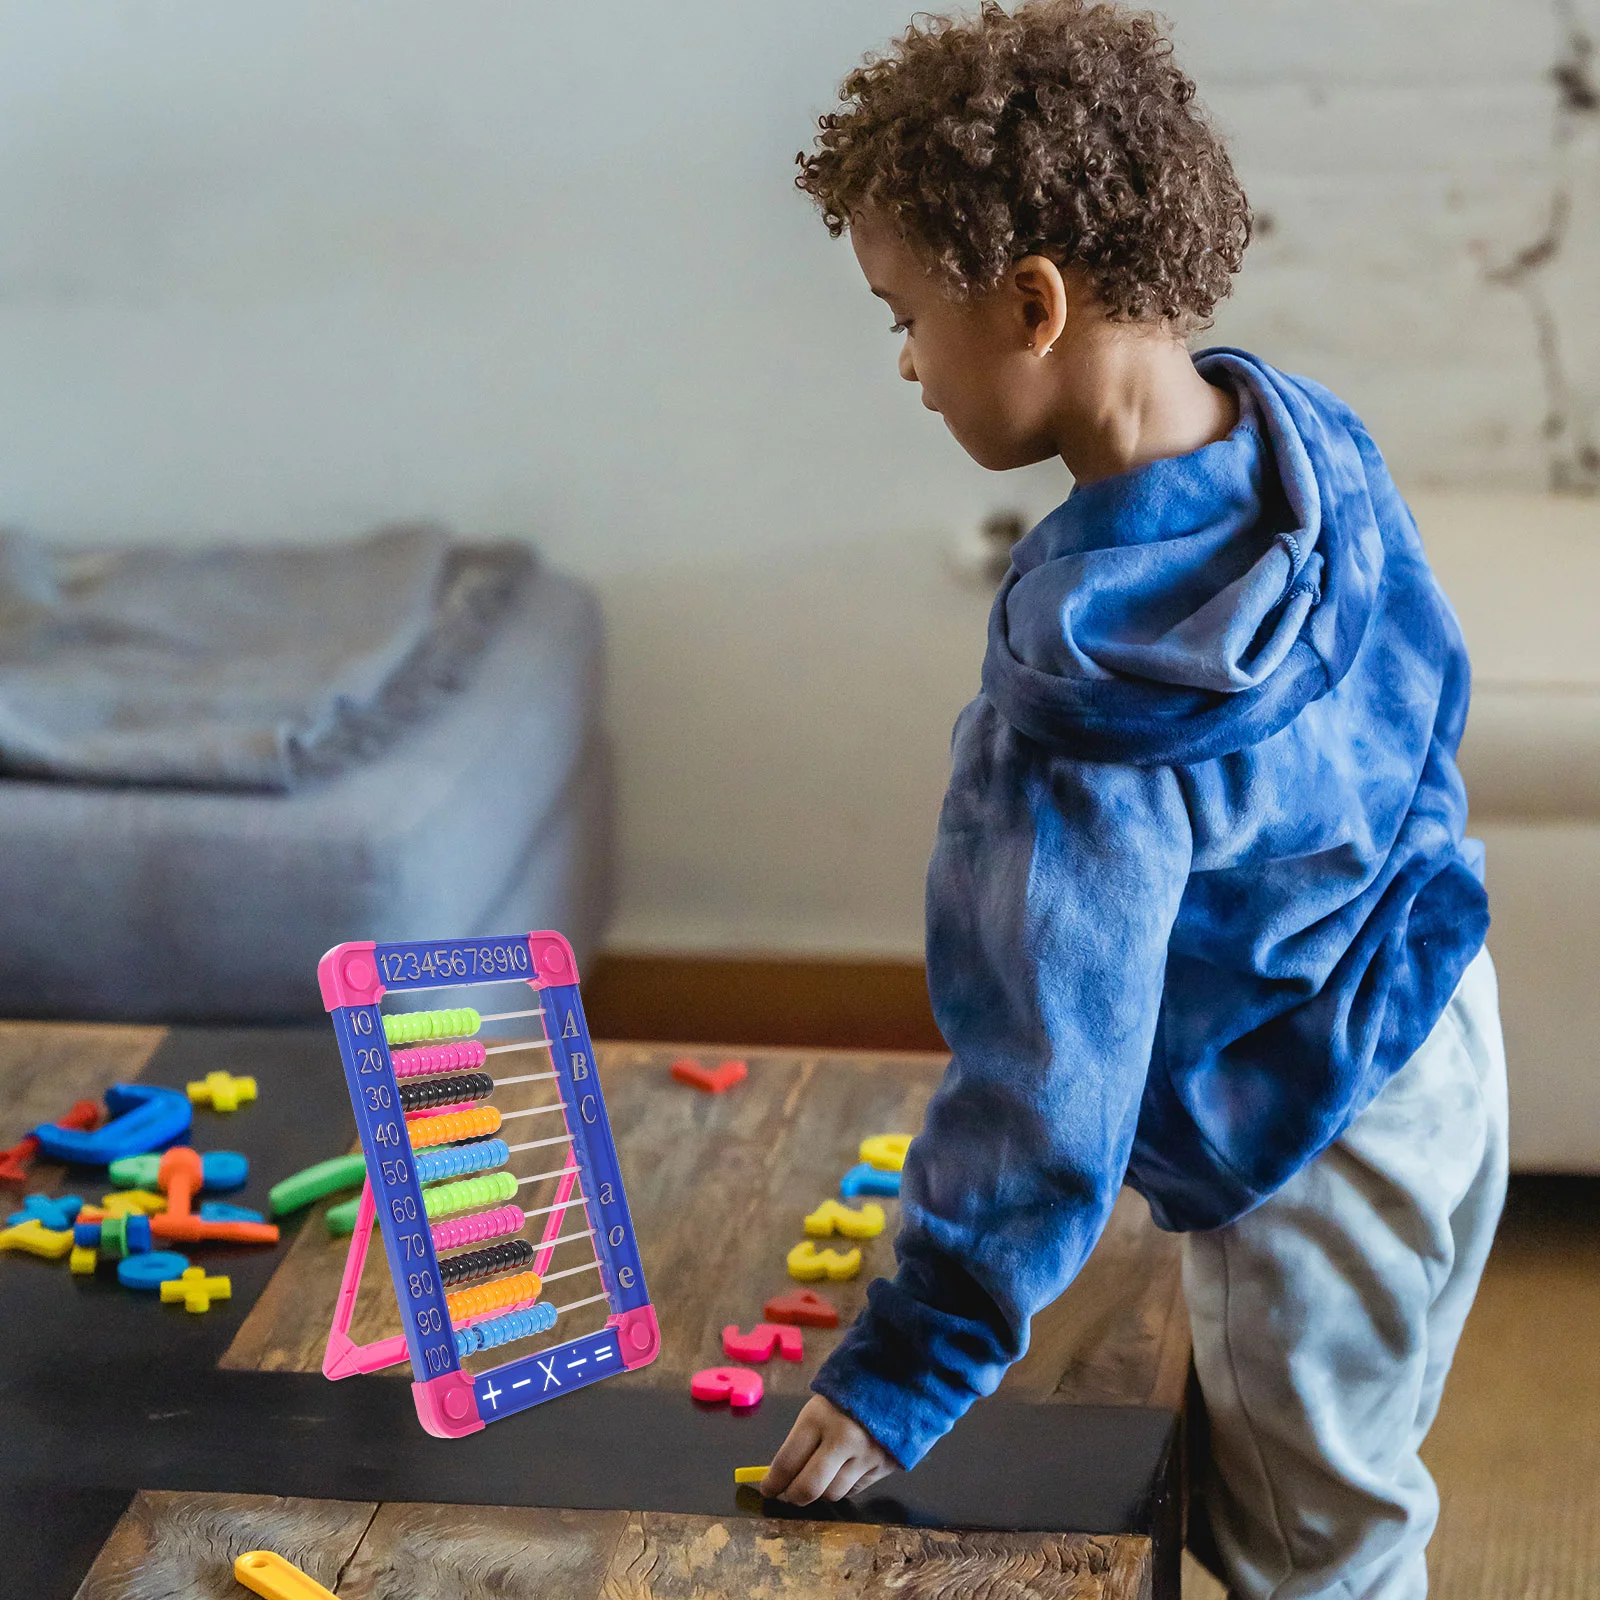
(465, 1277)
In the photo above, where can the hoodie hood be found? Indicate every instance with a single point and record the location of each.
(1194, 606)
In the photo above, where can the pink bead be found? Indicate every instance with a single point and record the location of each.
(457, 1231)
(426, 1060)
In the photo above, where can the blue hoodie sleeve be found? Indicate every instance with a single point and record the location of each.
(1052, 892)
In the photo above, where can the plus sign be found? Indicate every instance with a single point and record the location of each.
(491, 1394)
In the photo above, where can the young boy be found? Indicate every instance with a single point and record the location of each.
(1201, 917)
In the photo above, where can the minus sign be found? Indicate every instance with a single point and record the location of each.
(522, 1383)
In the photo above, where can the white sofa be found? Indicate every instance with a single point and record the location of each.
(1524, 573)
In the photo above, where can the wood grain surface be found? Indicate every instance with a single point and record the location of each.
(718, 1185)
(172, 1545)
(45, 1066)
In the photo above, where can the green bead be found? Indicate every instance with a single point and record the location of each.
(471, 1194)
(341, 1218)
(413, 1027)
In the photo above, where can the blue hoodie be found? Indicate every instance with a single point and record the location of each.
(1199, 888)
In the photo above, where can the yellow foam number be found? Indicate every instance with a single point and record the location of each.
(886, 1151)
(221, 1091)
(37, 1240)
(808, 1264)
(196, 1290)
(831, 1217)
(125, 1202)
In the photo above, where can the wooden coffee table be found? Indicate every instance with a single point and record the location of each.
(1072, 1473)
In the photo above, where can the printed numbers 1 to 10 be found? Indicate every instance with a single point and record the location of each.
(468, 961)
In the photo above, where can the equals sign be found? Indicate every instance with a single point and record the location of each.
(603, 1352)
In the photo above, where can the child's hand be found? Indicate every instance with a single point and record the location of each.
(827, 1454)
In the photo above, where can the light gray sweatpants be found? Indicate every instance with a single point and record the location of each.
(1326, 1319)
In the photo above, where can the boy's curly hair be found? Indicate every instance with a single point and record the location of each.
(1064, 130)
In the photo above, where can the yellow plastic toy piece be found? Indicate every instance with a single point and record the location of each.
(267, 1574)
(831, 1217)
(82, 1261)
(37, 1240)
(127, 1202)
(886, 1151)
(196, 1290)
(808, 1264)
(750, 1474)
(221, 1091)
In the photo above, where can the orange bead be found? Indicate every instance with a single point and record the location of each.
(453, 1126)
(486, 1297)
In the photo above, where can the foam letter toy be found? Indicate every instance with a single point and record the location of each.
(151, 1271)
(143, 1117)
(804, 1307)
(761, 1341)
(327, 1177)
(739, 1386)
(221, 1091)
(54, 1214)
(14, 1162)
(220, 1171)
(808, 1264)
(831, 1217)
(886, 1151)
(35, 1239)
(866, 1179)
(689, 1071)
(196, 1290)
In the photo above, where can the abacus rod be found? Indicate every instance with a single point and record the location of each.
(567, 1238)
(545, 1211)
(593, 1299)
(539, 1144)
(536, 1177)
(507, 1016)
(567, 1272)
(528, 1077)
(525, 1044)
(533, 1111)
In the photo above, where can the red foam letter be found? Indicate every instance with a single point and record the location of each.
(804, 1306)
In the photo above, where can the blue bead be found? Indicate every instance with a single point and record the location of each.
(86, 1235)
(151, 1270)
(221, 1211)
(138, 1237)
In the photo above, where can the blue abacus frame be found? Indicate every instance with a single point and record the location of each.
(354, 978)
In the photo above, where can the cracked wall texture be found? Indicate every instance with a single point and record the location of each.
(1430, 178)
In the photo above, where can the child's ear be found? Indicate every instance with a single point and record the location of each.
(1044, 298)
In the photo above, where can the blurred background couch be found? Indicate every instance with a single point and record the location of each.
(285, 272)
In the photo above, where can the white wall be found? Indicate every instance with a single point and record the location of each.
(278, 271)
